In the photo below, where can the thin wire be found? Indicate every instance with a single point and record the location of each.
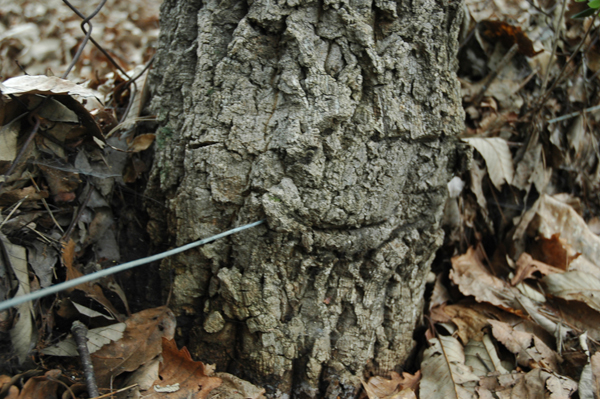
(574, 114)
(125, 266)
(88, 34)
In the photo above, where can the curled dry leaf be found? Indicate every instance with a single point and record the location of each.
(527, 266)
(41, 84)
(554, 251)
(497, 158)
(574, 286)
(551, 216)
(473, 278)
(141, 342)
(387, 388)
(179, 370)
(142, 142)
(22, 333)
(445, 374)
(531, 351)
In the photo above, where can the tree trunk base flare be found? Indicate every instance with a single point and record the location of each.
(335, 121)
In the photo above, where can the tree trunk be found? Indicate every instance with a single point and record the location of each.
(335, 121)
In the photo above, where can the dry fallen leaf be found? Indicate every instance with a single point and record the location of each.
(527, 266)
(394, 387)
(574, 286)
(44, 387)
(445, 374)
(550, 216)
(23, 333)
(41, 84)
(497, 158)
(96, 339)
(531, 351)
(141, 342)
(142, 142)
(92, 290)
(473, 278)
(186, 378)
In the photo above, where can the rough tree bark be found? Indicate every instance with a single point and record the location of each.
(336, 121)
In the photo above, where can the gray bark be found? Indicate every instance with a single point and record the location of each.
(336, 121)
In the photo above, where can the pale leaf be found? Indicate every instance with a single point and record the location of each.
(497, 157)
(96, 339)
(473, 278)
(530, 350)
(8, 140)
(482, 357)
(551, 217)
(575, 286)
(41, 84)
(586, 383)
(445, 374)
(90, 312)
(22, 333)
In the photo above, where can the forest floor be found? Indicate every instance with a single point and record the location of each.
(512, 308)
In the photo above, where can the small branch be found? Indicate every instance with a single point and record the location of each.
(492, 75)
(79, 331)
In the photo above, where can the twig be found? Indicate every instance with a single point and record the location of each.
(46, 206)
(544, 96)
(492, 75)
(79, 331)
(13, 210)
(557, 31)
(106, 395)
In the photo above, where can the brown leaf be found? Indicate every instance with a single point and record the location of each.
(549, 216)
(91, 289)
(527, 266)
(30, 193)
(141, 342)
(384, 388)
(42, 387)
(508, 35)
(142, 142)
(60, 181)
(179, 372)
(470, 322)
(531, 351)
(473, 278)
(554, 251)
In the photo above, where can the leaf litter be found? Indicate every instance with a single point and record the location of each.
(514, 308)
